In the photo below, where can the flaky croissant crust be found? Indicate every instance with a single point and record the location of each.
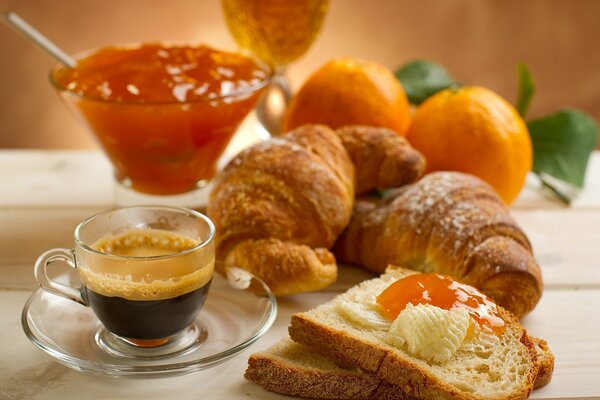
(297, 191)
(450, 223)
(280, 205)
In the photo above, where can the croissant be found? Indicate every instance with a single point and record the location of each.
(279, 205)
(450, 223)
(382, 158)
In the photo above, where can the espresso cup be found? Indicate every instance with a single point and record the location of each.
(145, 271)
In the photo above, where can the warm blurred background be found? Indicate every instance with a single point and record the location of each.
(479, 42)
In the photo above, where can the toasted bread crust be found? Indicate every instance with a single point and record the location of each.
(277, 376)
(280, 370)
(545, 360)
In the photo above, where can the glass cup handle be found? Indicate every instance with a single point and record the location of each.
(52, 286)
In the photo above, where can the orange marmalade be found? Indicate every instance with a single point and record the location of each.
(443, 292)
(163, 114)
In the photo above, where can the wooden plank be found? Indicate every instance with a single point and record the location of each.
(563, 241)
(569, 320)
(67, 178)
(27, 233)
(565, 245)
(33, 178)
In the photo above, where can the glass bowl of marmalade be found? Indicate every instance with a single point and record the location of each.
(162, 113)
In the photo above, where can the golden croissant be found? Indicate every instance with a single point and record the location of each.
(450, 223)
(279, 205)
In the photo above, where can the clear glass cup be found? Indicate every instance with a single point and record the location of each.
(161, 148)
(145, 272)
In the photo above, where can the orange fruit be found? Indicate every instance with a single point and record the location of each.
(474, 130)
(349, 91)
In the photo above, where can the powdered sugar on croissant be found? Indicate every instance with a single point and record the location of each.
(451, 223)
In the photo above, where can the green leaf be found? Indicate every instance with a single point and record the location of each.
(526, 89)
(422, 78)
(562, 144)
(561, 189)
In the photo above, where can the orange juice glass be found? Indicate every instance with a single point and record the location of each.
(162, 113)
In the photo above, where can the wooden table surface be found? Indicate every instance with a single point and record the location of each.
(44, 194)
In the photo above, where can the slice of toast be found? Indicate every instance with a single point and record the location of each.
(506, 370)
(294, 369)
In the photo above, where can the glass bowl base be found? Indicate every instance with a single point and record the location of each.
(197, 199)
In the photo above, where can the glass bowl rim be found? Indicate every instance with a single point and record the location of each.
(269, 69)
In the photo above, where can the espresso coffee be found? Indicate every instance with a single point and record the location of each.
(161, 291)
(147, 319)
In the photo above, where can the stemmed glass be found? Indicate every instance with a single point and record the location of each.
(277, 32)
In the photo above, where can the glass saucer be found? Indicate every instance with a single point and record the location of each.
(239, 309)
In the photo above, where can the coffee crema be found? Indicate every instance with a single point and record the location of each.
(144, 243)
(155, 271)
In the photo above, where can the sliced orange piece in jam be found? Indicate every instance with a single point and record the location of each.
(443, 292)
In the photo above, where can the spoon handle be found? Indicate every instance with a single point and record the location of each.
(19, 24)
